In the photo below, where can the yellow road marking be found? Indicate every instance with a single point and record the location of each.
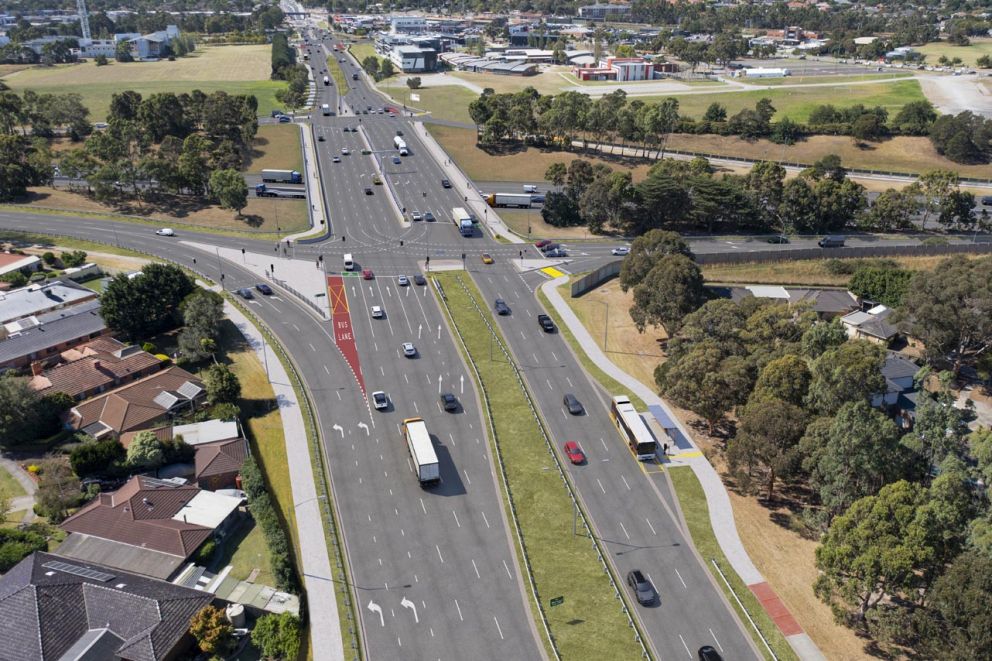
(552, 272)
(686, 455)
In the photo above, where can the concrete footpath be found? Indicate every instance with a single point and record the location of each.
(325, 627)
(717, 499)
(21, 503)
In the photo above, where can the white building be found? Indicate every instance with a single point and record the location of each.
(413, 59)
(408, 25)
(96, 47)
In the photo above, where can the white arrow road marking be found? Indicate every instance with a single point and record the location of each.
(376, 608)
(419, 329)
(406, 603)
(339, 428)
(365, 427)
(461, 381)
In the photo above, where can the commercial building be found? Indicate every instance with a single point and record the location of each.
(413, 59)
(408, 24)
(605, 12)
(464, 62)
(621, 69)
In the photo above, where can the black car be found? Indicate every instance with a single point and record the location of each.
(546, 323)
(549, 247)
(573, 404)
(987, 200)
(399, 132)
(445, 183)
(368, 190)
(449, 401)
(642, 588)
(428, 217)
(245, 293)
(419, 280)
(501, 307)
(264, 288)
(709, 653)
(781, 238)
(320, 138)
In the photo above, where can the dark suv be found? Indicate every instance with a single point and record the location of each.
(546, 323)
(501, 307)
(573, 404)
(643, 589)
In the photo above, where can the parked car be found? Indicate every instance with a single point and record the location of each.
(487, 258)
(574, 453)
(449, 402)
(642, 588)
(419, 280)
(245, 293)
(546, 324)
(377, 312)
(380, 401)
(445, 183)
(621, 251)
(367, 274)
(409, 350)
(264, 288)
(573, 404)
(402, 281)
(501, 307)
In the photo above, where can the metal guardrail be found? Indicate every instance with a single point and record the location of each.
(561, 473)
(743, 609)
(299, 295)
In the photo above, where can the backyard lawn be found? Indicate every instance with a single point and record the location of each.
(233, 69)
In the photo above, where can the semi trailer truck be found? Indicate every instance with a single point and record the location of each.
(282, 177)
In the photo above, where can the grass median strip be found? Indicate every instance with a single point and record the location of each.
(590, 623)
(692, 500)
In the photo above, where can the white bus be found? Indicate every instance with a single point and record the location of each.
(418, 442)
(632, 429)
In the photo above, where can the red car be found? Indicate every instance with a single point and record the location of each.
(542, 243)
(367, 274)
(574, 453)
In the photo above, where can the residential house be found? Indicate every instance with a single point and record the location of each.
(900, 397)
(138, 405)
(52, 609)
(33, 300)
(148, 526)
(218, 464)
(872, 325)
(94, 367)
(10, 262)
(33, 338)
(827, 303)
(194, 433)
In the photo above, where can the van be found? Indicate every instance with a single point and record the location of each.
(325, 109)
(530, 188)
(349, 263)
(831, 242)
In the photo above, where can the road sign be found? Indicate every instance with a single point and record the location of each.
(415, 97)
(557, 601)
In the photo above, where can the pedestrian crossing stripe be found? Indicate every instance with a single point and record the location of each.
(552, 272)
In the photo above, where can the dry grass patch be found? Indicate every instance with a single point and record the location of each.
(261, 214)
(276, 147)
(968, 54)
(520, 220)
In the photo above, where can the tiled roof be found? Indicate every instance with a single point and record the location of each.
(220, 458)
(49, 605)
(134, 405)
(95, 370)
(140, 513)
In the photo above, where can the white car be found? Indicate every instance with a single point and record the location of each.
(379, 400)
(165, 231)
(336, 159)
(622, 250)
(409, 350)
(403, 281)
(344, 150)
(377, 312)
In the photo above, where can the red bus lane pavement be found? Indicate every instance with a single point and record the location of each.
(344, 336)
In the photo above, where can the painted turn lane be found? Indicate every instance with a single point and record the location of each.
(344, 335)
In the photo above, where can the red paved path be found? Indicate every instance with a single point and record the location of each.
(344, 337)
(776, 609)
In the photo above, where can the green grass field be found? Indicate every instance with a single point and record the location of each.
(798, 79)
(693, 503)
(796, 103)
(444, 101)
(277, 147)
(590, 624)
(361, 51)
(233, 69)
(968, 54)
(9, 485)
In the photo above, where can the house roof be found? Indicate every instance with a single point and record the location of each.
(136, 404)
(207, 509)
(825, 300)
(897, 367)
(220, 458)
(51, 329)
(50, 605)
(37, 299)
(207, 431)
(873, 322)
(141, 514)
(11, 262)
(144, 561)
(163, 434)
(93, 369)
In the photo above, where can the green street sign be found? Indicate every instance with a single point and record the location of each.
(557, 601)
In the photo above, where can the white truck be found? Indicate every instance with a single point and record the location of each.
(421, 448)
(463, 220)
(400, 145)
(509, 200)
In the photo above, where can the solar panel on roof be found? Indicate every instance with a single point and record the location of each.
(85, 572)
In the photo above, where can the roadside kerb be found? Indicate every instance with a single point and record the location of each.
(718, 501)
(607, 567)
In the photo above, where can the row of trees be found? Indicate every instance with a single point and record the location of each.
(687, 194)
(529, 117)
(379, 68)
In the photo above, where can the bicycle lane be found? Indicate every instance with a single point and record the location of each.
(344, 335)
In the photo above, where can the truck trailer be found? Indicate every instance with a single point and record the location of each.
(282, 176)
(400, 145)
(509, 200)
(261, 190)
(421, 448)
